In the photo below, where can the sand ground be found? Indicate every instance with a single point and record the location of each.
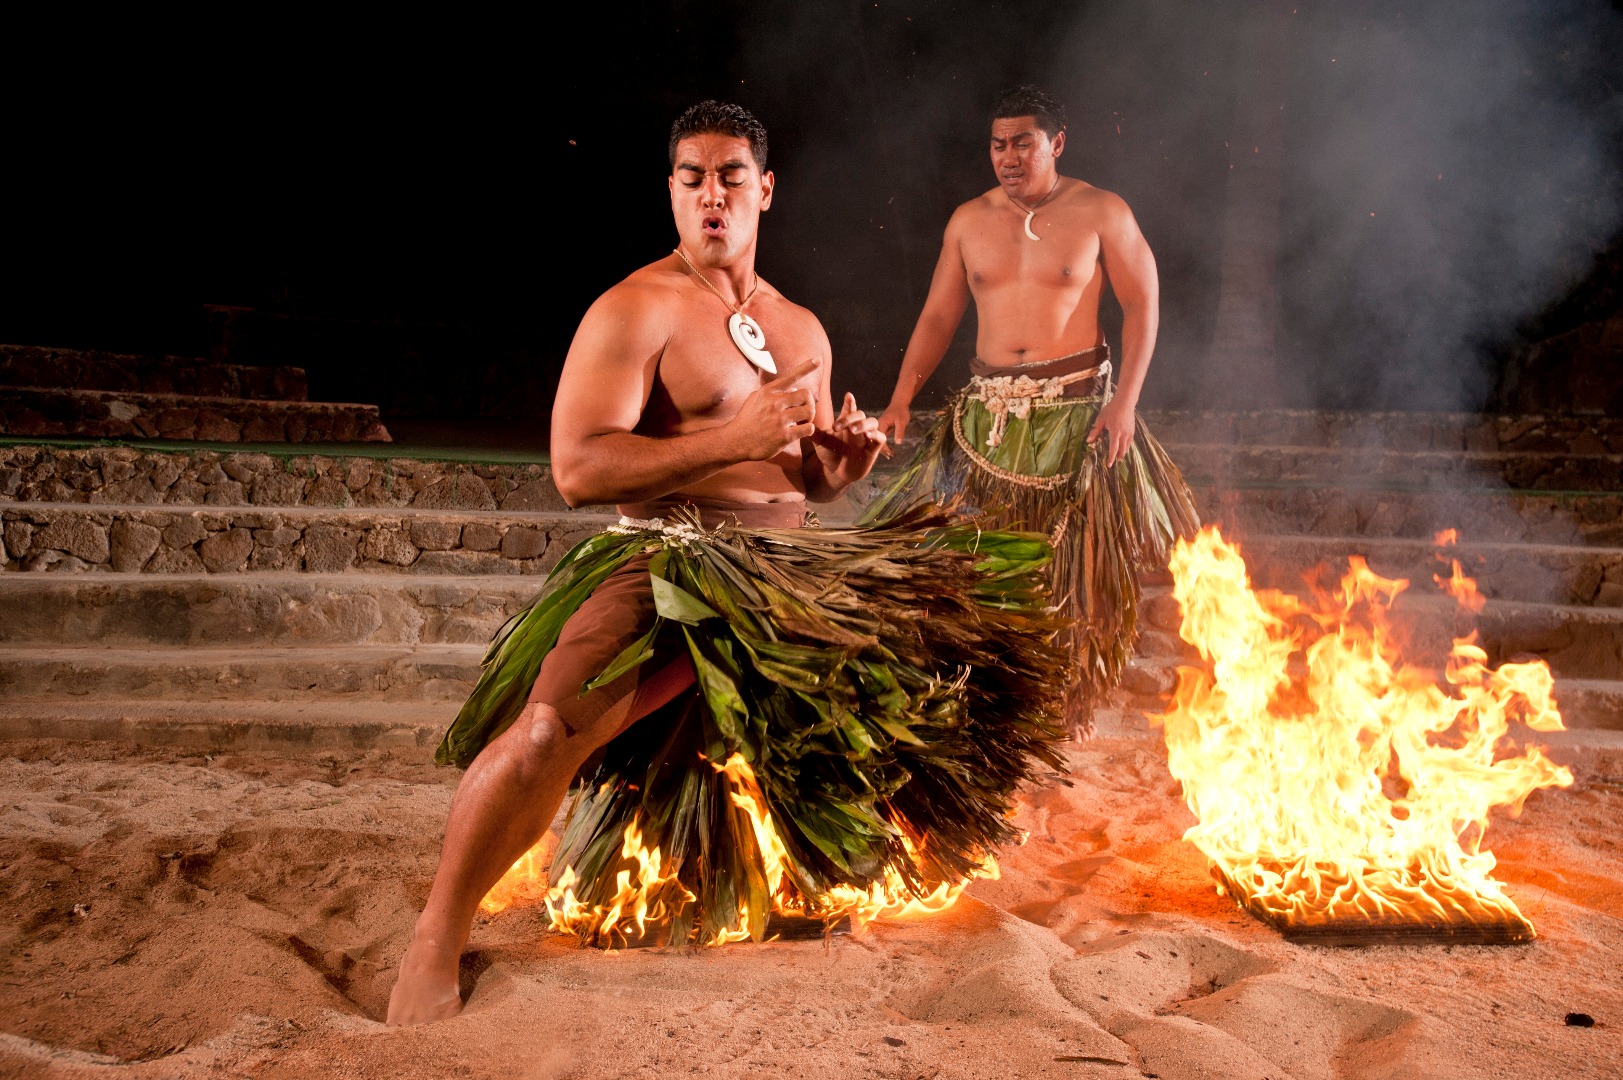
(175, 914)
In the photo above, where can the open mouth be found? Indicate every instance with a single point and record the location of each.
(713, 226)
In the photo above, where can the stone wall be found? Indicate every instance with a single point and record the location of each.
(1405, 432)
(128, 476)
(77, 539)
(93, 369)
(1579, 371)
(100, 414)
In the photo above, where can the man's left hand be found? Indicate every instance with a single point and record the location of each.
(855, 439)
(1116, 423)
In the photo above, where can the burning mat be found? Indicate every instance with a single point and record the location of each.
(1343, 795)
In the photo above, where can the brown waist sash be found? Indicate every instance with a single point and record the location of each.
(1050, 369)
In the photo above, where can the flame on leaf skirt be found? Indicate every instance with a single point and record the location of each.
(889, 686)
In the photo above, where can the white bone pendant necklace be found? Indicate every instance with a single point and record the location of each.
(745, 331)
(1032, 212)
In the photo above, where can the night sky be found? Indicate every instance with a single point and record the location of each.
(495, 173)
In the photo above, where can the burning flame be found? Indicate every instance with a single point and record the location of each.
(641, 896)
(524, 882)
(651, 894)
(1333, 782)
(1457, 585)
(892, 899)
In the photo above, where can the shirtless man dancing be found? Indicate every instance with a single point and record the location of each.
(709, 615)
(656, 408)
(1039, 434)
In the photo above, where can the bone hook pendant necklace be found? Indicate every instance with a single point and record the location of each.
(1033, 211)
(746, 332)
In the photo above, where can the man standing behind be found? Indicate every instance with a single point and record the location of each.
(1039, 435)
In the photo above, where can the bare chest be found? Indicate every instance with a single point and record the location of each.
(997, 251)
(704, 376)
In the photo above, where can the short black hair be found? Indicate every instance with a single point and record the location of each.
(720, 118)
(1030, 101)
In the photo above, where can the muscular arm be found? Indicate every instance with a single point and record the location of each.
(607, 378)
(1130, 268)
(943, 310)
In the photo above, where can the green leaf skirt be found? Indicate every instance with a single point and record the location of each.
(1105, 524)
(889, 687)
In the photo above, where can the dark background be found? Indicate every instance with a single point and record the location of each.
(418, 210)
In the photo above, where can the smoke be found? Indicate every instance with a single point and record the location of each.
(1490, 168)
(877, 113)
(1447, 172)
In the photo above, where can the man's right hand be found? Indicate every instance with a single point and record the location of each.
(894, 422)
(777, 415)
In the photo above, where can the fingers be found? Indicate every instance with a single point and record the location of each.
(798, 411)
(860, 426)
(1120, 442)
(853, 420)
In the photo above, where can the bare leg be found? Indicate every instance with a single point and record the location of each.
(505, 802)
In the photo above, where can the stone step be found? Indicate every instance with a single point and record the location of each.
(1415, 431)
(1577, 642)
(266, 610)
(97, 369)
(363, 476)
(229, 539)
(1219, 465)
(37, 412)
(304, 610)
(417, 673)
(1585, 704)
(1488, 516)
(1542, 573)
(227, 725)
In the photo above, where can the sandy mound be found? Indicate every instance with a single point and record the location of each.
(171, 914)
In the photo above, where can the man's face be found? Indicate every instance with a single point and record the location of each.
(1023, 156)
(717, 195)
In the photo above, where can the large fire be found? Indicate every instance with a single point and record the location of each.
(1337, 786)
(648, 892)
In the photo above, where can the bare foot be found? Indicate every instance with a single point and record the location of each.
(426, 988)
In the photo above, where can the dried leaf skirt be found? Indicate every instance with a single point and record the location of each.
(889, 688)
(1104, 524)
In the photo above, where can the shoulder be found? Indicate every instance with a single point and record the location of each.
(649, 288)
(636, 316)
(1106, 206)
(970, 213)
(987, 202)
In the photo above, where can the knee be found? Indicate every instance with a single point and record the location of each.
(542, 740)
(536, 738)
